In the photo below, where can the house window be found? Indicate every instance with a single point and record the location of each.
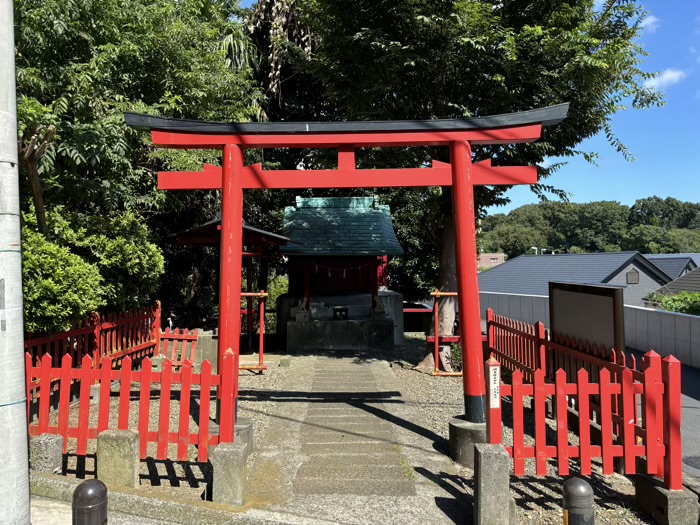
(494, 259)
(633, 277)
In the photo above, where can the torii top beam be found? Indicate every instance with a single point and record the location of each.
(510, 128)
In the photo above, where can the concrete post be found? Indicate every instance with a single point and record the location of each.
(492, 486)
(118, 461)
(46, 453)
(667, 507)
(14, 482)
(157, 362)
(229, 474)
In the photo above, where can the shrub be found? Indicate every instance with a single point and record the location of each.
(60, 288)
(682, 302)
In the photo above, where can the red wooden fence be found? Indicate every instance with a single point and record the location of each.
(612, 390)
(657, 439)
(162, 434)
(117, 335)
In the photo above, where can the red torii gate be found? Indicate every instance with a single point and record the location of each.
(458, 134)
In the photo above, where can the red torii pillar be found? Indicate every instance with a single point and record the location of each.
(461, 174)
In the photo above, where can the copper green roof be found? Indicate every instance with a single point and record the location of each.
(337, 226)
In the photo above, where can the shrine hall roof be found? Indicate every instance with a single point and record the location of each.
(546, 116)
(340, 226)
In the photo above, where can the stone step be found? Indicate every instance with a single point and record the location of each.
(382, 487)
(390, 457)
(349, 448)
(332, 471)
(345, 437)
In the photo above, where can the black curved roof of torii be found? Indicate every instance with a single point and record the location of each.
(546, 116)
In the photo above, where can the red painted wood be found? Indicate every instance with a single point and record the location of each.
(145, 405)
(84, 405)
(584, 427)
(539, 401)
(629, 422)
(204, 409)
(651, 366)
(673, 465)
(45, 393)
(261, 344)
(64, 399)
(518, 425)
(28, 381)
(105, 399)
(164, 411)
(467, 273)
(231, 265)
(606, 422)
(229, 372)
(562, 423)
(125, 394)
(184, 428)
(512, 135)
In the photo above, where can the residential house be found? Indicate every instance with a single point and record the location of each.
(531, 274)
(674, 264)
(489, 260)
(689, 282)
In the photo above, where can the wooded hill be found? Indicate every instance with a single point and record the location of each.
(651, 225)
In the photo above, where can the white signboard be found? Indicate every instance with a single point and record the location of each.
(494, 386)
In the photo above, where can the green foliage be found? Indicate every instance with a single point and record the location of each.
(60, 288)
(126, 267)
(456, 356)
(592, 227)
(683, 302)
(278, 285)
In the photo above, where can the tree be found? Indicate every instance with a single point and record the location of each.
(655, 239)
(393, 59)
(80, 65)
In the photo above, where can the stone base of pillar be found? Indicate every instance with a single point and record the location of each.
(463, 436)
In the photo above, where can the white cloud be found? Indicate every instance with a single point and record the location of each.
(665, 79)
(650, 23)
(692, 50)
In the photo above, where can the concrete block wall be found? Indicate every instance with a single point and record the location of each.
(668, 333)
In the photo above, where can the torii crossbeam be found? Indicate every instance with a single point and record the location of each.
(460, 173)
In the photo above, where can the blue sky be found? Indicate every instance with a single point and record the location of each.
(665, 141)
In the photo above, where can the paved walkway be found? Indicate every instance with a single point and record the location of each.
(345, 447)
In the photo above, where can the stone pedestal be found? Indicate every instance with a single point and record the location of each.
(229, 473)
(463, 436)
(118, 458)
(46, 453)
(157, 363)
(492, 486)
(667, 507)
(244, 434)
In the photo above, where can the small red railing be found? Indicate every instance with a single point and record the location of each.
(163, 434)
(179, 345)
(438, 339)
(261, 295)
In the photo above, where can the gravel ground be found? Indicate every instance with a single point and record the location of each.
(538, 499)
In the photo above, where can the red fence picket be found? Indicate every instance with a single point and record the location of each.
(163, 436)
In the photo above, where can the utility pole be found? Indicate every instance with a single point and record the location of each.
(14, 481)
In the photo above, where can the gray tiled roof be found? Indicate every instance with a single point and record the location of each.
(337, 226)
(670, 263)
(690, 282)
(531, 274)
